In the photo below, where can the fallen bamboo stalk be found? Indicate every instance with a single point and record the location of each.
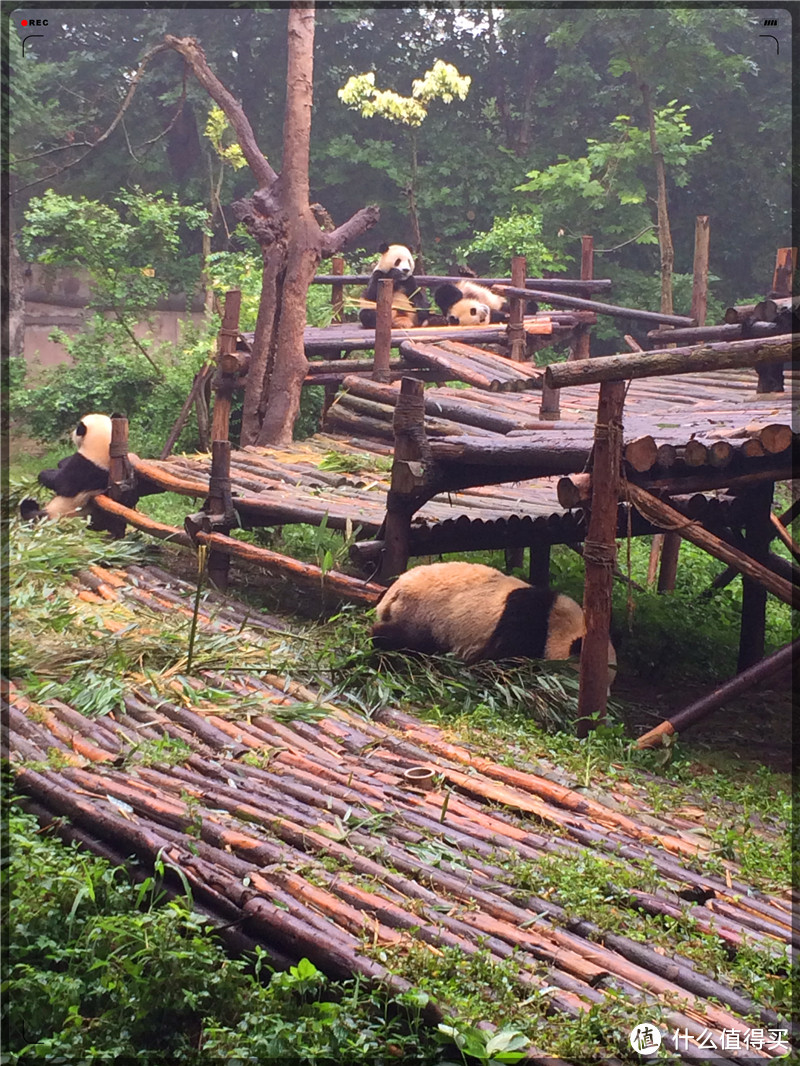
(732, 689)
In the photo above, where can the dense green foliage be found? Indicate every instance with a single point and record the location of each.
(105, 969)
(545, 84)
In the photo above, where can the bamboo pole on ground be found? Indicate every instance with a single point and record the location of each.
(600, 555)
(753, 675)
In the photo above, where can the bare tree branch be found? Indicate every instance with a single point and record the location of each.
(360, 222)
(115, 121)
(194, 55)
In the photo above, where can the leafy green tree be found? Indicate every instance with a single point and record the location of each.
(605, 191)
(131, 251)
(441, 82)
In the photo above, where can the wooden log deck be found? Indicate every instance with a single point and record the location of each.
(699, 429)
(330, 848)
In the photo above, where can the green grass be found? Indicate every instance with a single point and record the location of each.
(102, 969)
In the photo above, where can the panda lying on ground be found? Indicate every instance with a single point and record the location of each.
(477, 613)
(78, 477)
(409, 305)
(466, 303)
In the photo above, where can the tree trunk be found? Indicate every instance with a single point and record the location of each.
(416, 234)
(16, 302)
(279, 216)
(664, 234)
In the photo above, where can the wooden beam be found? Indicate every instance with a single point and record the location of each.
(754, 675)
(411, 452)
(615, 311)
(666, 517)
(725, 355)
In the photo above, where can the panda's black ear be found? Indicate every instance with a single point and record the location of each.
(116, 414)
(446, 295)
(383, 247)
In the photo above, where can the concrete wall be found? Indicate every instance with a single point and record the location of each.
(57, 297)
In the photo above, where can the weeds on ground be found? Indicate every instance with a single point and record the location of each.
(103, 969)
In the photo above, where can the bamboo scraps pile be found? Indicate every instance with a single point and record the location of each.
(284, 841)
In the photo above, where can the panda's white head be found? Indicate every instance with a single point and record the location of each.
(460, 309)
(92, 438)
(396, 260)
(468, 312)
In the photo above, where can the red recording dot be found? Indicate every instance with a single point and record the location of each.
(24, 22)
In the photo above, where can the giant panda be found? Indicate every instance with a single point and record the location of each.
(79, 476)
(409, 306)
(477, 613)
(466, 303)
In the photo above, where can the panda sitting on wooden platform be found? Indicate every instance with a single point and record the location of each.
(409, 305)
(78, 477)
(478, 613)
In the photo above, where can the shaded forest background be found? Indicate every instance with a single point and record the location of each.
(543, 81)
(550, 142)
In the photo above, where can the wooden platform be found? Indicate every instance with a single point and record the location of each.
(701, 429)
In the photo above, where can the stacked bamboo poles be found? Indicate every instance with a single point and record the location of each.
(251, 844)
(457, 361)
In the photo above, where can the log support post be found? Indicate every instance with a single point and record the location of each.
(383, 330)
(668, 572)
(337, 290)
(671, 542)
(579, 349)
(600, 555)
(539, 564)
(229, 365)
(516, 327)
(411, 454)
(550, 409)
(121, 480)
(217, 515)
(758, 533)
(783, 278)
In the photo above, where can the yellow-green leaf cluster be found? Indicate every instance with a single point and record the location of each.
(442, 82)
(216, 128)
